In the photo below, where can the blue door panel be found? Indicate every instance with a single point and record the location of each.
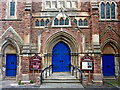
(11, 65)
(61, 58)
(108, 65)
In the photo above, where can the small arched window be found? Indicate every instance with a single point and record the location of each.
(61, 21)
(56, 21)
(75, 21)
(80, 22)
(66, 21)
(42, 22)
(85, 23)
(107, 11)
(102, 10)
(12, 8)
(37, 23)
(47, 21)
(113, 10)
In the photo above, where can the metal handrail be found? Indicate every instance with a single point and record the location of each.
(42, 78)
(76, 72)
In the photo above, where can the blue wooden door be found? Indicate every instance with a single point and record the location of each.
(11, 65)
(61, 58)
(108, 65)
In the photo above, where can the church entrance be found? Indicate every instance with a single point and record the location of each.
(61, 58)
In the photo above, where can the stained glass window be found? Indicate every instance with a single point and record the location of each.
(113, 11)
(61, 21)
(85, 23)
(75, 21)
(56, 21)
(47, 21)
(102, 10)
(37, 23)
(42, 22)
(12, 8)
(107, 11)
(66, 21)
(80, 22)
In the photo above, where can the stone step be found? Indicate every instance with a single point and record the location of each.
(61, 81)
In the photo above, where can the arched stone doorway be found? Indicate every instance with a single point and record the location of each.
(10, 59)
(65, 38)
(109, 60)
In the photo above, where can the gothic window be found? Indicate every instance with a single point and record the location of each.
(107, 11)
(85, 23)
(56, 21)
(75, 21)
(66, 21)
(47, 21)
(37, 23)
(113, 10)
(48, 4)
(42, 22)
(102, 10)
(12, 8)
(61, 21)
(80, 22)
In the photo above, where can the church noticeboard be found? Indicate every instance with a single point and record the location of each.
(35, 62)
(87, 62)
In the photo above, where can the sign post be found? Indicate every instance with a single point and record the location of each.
(87, 64)
(35, 64)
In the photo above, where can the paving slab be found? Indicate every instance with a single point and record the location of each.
(61, 85)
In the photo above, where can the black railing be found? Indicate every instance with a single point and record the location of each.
(45, 72)
(77, 72)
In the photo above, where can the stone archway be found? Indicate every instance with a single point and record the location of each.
(10, 48)
(65, 38)
(109, 59)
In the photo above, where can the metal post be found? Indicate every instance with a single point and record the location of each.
(49, 71)
(76, 73)
(33, 74)
(46, 73)
(89, 75)
(38, 73)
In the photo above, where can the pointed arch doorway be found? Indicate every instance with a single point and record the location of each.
(61, 58)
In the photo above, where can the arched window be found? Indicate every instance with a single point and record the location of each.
(85, 23)
(47, 21)
(107, 11)
(113, 10)
(66, 21)
(80, 22)
(102, 10)
(61, 21)
(37, 23)
(12, 8)
(75, 21)
(42, 22)
(56, 21)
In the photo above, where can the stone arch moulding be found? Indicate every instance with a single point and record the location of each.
(9, 41)
(112, 43)
(64, 37)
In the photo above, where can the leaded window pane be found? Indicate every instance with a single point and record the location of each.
(47, 21)
(85, 23)
(102, 10)
(42, 23)
(80, 22)
(12, 8)
(113, 11)
(66, 21)
(107, 11)
(56, 21)
(36, 23)
(61, 21)
(75, 21)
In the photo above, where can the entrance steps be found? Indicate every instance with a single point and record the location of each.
(61, 78)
